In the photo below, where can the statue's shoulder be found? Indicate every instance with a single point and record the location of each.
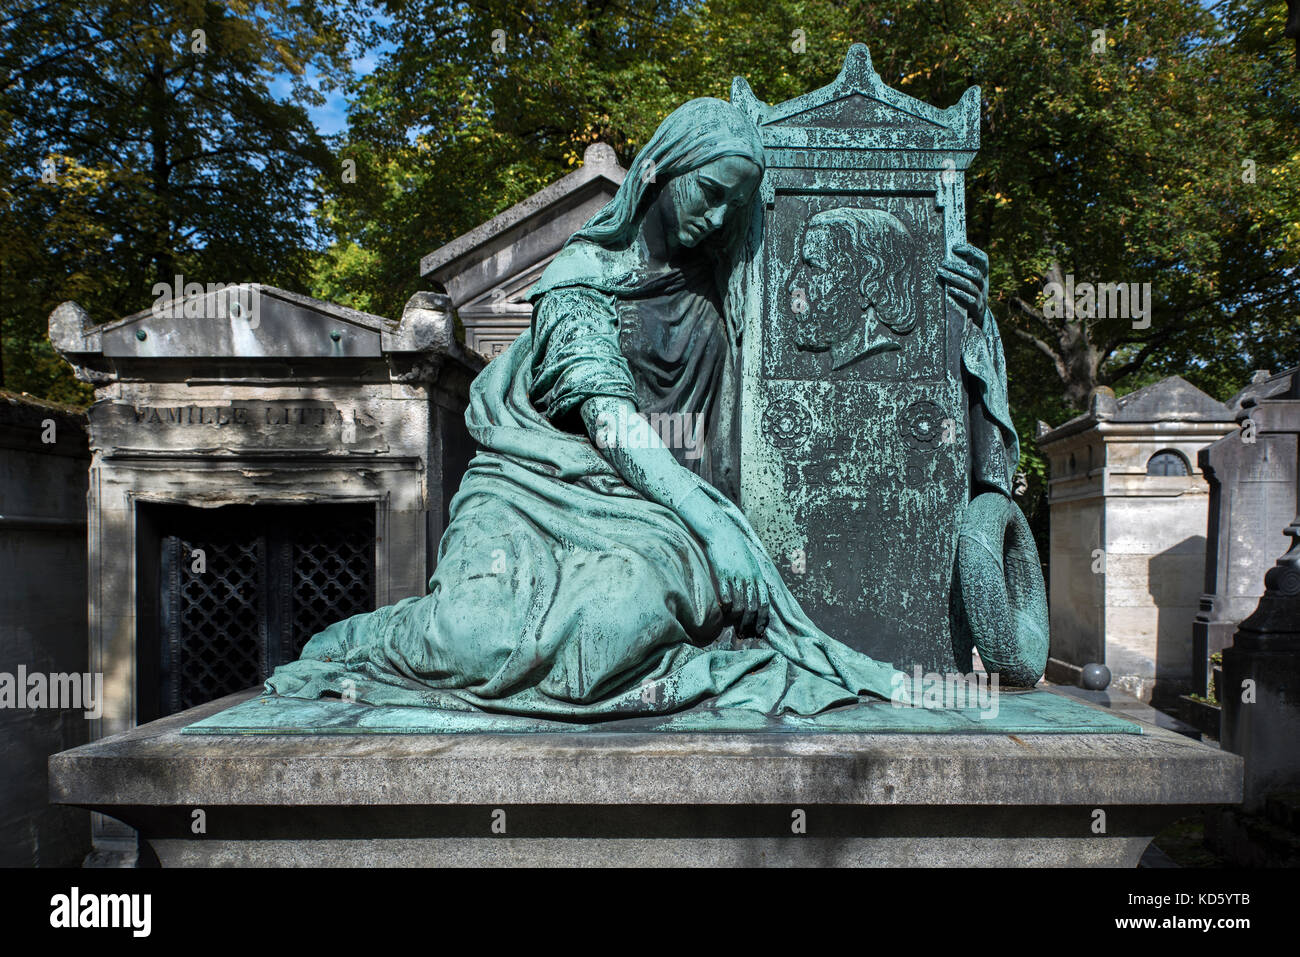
(574, 301)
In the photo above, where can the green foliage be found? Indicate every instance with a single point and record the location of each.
(141, 139)
(1119, 160)
(1116, 161)
(1118, 156)
(1115, 158)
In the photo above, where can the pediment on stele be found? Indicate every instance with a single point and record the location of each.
(856, 110)
(859, 110)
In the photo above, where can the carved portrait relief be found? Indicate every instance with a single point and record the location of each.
(853, 288)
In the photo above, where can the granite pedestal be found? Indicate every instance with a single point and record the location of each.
(597, 799)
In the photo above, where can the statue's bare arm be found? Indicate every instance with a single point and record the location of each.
(647, 465)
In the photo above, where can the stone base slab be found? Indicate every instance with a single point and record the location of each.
(644, 799)
(633, 852)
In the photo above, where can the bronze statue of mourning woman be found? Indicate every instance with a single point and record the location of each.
(590, 570)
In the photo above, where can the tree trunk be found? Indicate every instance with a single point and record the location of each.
(1065, 341)
(1292, 28)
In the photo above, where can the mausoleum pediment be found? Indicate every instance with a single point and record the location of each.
(248, 323)
(1171, 399)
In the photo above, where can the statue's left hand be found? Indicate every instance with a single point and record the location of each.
(966, 275)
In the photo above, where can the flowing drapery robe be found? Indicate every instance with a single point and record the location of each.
(560, 591)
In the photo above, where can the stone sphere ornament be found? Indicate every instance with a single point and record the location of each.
(1095, 677)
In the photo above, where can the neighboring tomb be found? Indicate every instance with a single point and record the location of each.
(263, 464)
(1252, 481)
(1261, 668)
(487, 270)
(43, 460)
(261, 428)
(1128, 518)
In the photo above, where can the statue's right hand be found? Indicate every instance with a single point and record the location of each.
(742, 592)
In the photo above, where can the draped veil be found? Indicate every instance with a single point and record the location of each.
(602, 255)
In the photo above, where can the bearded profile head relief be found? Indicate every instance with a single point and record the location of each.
(853, 288)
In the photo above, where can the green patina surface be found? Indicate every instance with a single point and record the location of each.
(1033, 712)
(874, 385)
(791, 286)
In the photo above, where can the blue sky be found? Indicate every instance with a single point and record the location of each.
(332, 117)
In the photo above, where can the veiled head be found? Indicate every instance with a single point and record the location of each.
(698, 203)
(698, 173)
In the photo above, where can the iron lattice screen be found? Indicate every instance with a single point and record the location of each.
(217, 643)
(243, 588)
(333, 578)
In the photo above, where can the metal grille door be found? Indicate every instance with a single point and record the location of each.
(217, 640)
(243, 588)
(333, 578)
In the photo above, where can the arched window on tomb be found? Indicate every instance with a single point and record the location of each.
(1168, 462)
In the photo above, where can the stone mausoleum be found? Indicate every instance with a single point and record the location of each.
(1128, 523)
(1252, 480)
(43, 460)
(262, 464)
(487, 270)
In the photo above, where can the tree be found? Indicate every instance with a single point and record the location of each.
(477, 106)
(1115, 141)
(142, 139)
(480, 104)
(1124, 142)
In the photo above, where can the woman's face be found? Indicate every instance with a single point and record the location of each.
(700, 201)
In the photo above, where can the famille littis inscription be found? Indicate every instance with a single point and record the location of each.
(301, 425)
(318, 415)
